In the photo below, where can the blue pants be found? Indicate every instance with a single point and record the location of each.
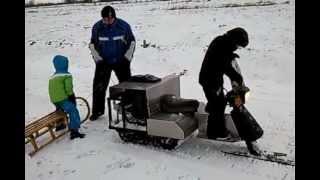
(72, 111)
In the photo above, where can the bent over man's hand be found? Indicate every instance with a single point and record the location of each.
(237, 101)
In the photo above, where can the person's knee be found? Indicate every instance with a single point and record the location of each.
(74, 110)
(69, 107)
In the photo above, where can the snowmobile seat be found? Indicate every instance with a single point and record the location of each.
(172, 104)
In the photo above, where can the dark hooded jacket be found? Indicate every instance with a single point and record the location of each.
(220, 60)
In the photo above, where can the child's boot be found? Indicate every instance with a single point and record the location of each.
(74, 133)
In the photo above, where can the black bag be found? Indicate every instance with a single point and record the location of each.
(144, 78)
(247, 127)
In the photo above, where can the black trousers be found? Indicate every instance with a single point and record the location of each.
(101, 81)
(215, 108)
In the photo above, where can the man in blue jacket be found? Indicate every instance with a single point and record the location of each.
(112, 46)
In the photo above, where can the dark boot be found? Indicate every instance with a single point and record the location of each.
(95, 116)
(222, 136)
(74, 133)
(217, 133)
(253, 148)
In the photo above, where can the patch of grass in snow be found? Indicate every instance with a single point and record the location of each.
(188, 7)
(259, 3)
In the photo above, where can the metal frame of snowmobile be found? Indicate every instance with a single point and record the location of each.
(160, 128)
(136, 135)
(158, 124)
(123, 113)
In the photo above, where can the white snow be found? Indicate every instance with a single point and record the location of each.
(180, 38)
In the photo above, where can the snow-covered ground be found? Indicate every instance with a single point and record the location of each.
(180, 38)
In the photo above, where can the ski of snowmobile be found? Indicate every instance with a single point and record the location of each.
(265, 156)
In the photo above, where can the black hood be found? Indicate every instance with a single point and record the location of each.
(238, 37)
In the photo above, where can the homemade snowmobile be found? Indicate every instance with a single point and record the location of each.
(151, 111)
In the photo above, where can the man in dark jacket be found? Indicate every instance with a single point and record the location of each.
(220, 59)
(112, 46)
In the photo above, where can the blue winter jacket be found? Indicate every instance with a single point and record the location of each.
(60, 83)
(112, 41)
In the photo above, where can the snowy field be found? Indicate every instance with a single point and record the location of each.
(179, 33)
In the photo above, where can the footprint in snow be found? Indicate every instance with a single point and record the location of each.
(125, 163)
(69, 171)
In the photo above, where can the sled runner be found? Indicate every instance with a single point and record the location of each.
(48, 123)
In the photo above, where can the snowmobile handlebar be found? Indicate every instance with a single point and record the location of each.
(237, 92)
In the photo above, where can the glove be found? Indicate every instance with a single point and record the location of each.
(241, 92)
(237, 101)
(234, 55)
(95, 55)
(241, 89)
(58, 108)
(72, 98)
(129, 54)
